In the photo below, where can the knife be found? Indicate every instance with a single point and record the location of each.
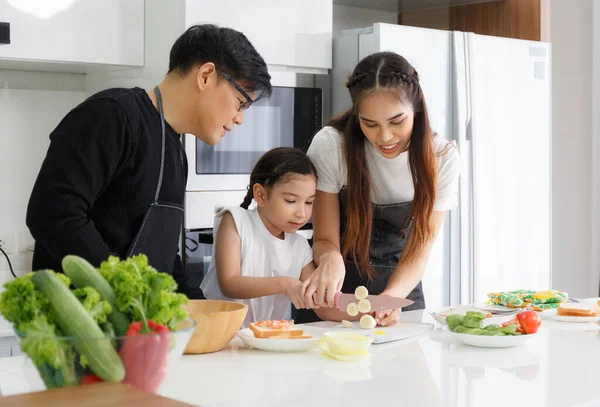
(378, 302)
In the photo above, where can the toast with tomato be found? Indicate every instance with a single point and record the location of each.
(277, 330)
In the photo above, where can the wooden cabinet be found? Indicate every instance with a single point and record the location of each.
(522, 19)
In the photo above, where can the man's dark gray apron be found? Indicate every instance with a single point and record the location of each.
(158, 236)
(389, 233)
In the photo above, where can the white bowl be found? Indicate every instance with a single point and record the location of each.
(348, 343)
(482, 341)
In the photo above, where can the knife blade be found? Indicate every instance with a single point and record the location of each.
(378, 302)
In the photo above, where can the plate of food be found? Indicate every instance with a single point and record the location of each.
(469, 329)
(528, 299)
(440, 315)
(574, 312)
(281, 336)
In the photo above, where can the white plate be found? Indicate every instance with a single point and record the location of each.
(593, 300)
(282, 345)
(482, 341)
(553, 314)
(494, 319)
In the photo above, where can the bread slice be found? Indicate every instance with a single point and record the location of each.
(578, 310)
(304, 336)
(463, 309)
(281, 329)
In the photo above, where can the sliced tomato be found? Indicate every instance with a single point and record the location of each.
(512, 321)
(516, 322)
(530, 321)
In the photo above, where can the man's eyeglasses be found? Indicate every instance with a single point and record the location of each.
(243, 105)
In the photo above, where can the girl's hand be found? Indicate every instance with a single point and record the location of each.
(387, 318)
(294, 289)
(326, 280)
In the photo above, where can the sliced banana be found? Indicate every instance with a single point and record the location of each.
(361, 292)
(367, 322)
(352, 309)
(364, 306)
(347, 324)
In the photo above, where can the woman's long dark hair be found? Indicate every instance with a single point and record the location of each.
(275, 166)
(386, 71)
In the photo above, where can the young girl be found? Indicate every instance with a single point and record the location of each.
(258, 258)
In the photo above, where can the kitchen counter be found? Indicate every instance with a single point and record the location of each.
(559, 367)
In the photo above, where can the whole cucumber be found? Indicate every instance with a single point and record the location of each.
(75, 322)
(83, 274)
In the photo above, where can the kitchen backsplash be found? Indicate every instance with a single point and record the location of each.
(31, 105)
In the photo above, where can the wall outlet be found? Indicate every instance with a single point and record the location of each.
(7, 243)
(25, 240)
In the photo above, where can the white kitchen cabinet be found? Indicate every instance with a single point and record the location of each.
(76, 32)
(293, 33)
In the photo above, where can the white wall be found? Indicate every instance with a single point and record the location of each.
(571, 37)
(31, 105)
(596, 149)
(164, 22)
(345, 18)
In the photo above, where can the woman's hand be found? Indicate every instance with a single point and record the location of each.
(326, 280)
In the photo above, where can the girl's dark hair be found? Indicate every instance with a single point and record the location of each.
(228, 49)
(386, 72)
(276, 166)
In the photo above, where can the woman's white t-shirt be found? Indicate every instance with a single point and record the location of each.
(263, 255)
(392, 179)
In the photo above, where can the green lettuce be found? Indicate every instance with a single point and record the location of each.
(21, 302)
(93, 303)
(144, 293)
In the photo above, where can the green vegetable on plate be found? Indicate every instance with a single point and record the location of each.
(471, 324)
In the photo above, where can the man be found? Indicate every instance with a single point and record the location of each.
(113, 180)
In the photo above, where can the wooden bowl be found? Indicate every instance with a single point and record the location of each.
(216, 324)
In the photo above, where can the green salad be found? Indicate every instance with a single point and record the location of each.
(472, 322)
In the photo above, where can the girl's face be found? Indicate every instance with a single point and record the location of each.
(287, 206)
(387, 123)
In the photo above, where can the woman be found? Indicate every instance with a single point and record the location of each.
(385, 183)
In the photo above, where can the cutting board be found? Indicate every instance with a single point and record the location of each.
(402, 330)
(90, 395)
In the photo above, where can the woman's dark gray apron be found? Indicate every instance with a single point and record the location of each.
(390, 230)
(158, 236)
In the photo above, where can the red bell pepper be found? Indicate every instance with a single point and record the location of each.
(90, 378)
(145, 355)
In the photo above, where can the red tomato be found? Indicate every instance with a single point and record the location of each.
(90, 378)
(530, 321)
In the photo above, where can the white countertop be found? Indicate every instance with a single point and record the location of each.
(559, 367)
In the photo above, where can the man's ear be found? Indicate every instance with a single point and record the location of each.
(206, 74)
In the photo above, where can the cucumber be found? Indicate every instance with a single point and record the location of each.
(74, 321)
(83, 274)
